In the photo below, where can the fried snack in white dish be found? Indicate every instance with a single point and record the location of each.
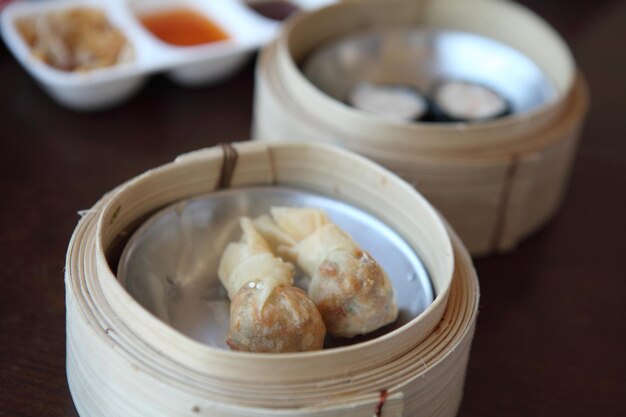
(349, 288)
(267, 314)
(75, 39)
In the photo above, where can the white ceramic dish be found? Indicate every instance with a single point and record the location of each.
(188, 66)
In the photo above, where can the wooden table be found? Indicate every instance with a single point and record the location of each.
(551, 338)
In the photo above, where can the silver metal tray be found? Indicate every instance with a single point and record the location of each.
(170, 263)
(421, 57)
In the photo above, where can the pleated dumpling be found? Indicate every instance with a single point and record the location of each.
(350, 289)
(267, 314)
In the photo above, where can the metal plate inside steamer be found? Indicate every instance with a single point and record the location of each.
(421, 57)
(170, 264)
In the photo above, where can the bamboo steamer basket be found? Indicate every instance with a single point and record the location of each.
(122, 360)
(496, 182)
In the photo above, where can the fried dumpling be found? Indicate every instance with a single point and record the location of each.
(349, 288)
(267, 314)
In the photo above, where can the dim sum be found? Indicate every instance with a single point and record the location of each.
(350, 289)
(267, 314)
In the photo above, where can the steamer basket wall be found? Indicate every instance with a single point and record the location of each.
(496, 182)
(124, 361)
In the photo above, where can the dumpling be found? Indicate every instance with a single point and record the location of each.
(349, 288)
(267, 314)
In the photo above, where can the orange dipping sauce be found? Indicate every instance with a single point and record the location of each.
(183, 27)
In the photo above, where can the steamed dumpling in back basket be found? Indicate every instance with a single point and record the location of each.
(267, 314)
(350, 289)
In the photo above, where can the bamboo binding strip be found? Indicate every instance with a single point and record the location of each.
(122, 361)
(495, 182)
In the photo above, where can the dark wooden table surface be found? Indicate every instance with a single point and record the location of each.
(551, 336)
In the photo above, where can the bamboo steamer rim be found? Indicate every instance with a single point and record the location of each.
(307, 30)
(575, 105)
(433, 377)
(515, 189)
(426, 381)
(219, 362)
(570, 120)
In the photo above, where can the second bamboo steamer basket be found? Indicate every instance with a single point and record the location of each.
(124, 361)
(496, 182)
